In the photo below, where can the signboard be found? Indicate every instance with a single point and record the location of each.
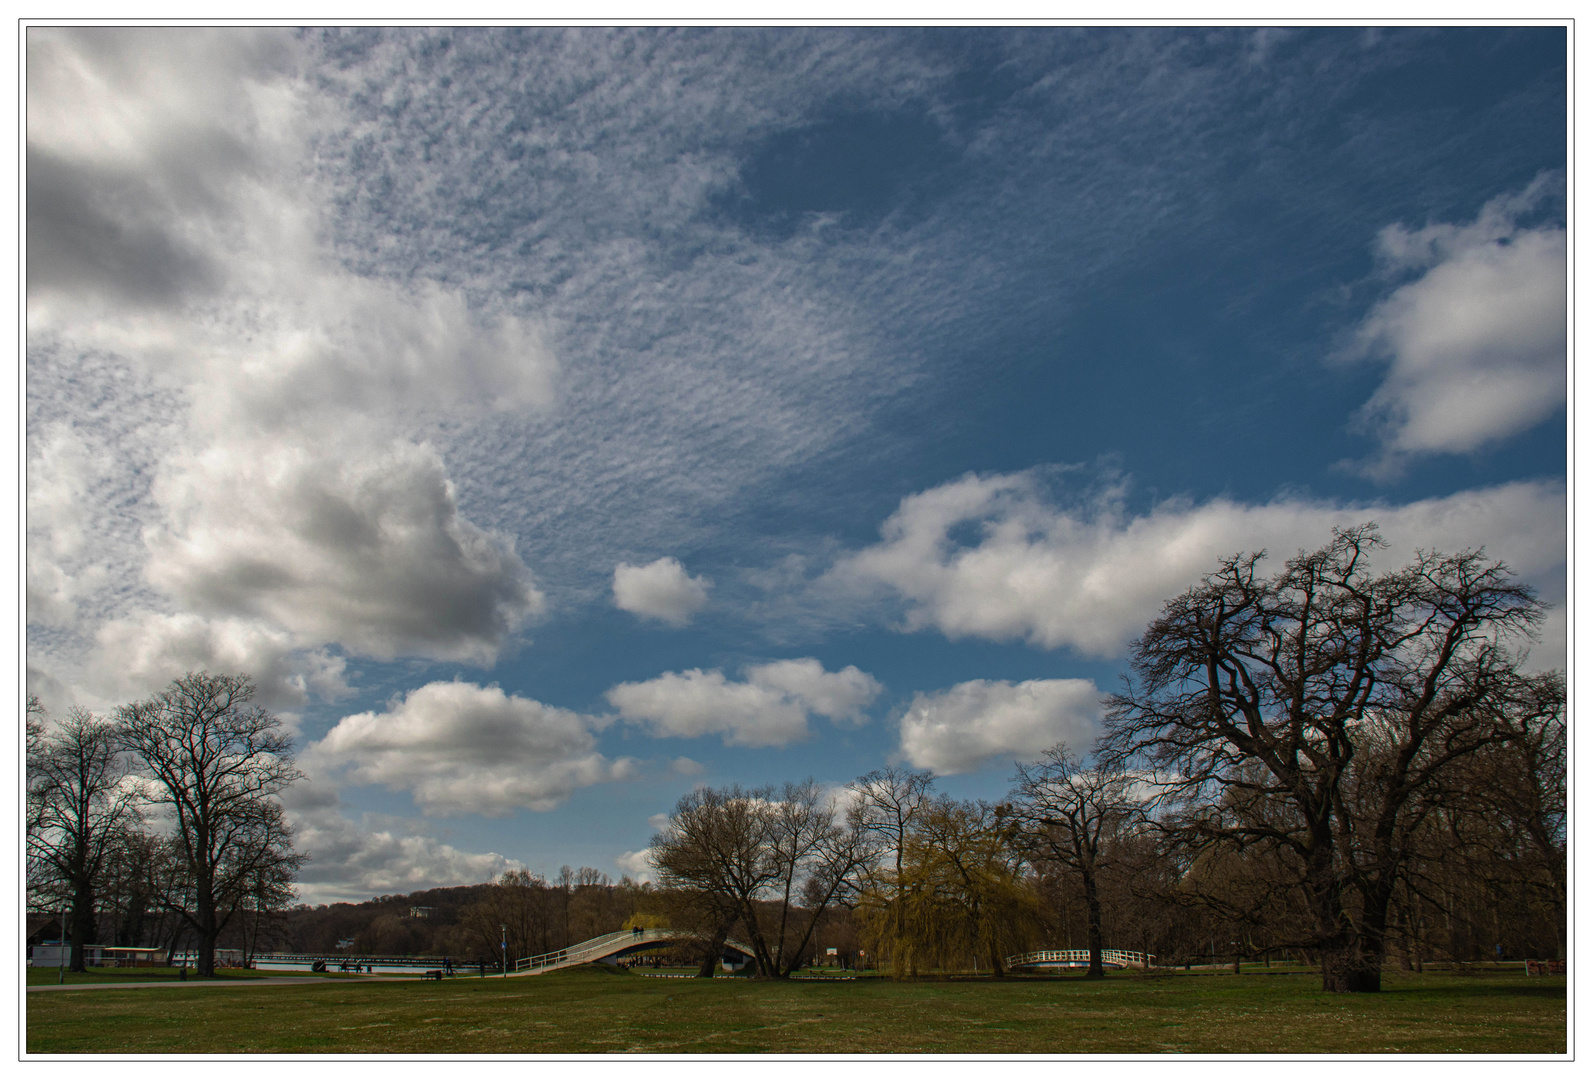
(830, 951)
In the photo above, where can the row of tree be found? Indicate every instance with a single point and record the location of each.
(163, 819)
(1337, 762)
(1332, 763)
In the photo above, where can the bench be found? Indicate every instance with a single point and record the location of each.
(435, 975)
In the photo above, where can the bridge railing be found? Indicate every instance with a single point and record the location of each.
(607, 945)
(591, 949)
(1109, 957)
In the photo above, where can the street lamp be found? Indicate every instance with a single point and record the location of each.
(503, 943)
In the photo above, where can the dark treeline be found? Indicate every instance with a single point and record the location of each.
(463, 922)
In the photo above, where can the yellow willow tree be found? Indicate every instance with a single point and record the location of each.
(967, 896)
(885, 805)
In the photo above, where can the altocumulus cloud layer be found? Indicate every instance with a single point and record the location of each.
(382, 364)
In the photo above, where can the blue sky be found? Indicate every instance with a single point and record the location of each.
(552, 420)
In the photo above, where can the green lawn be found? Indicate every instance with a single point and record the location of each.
(588, 1011)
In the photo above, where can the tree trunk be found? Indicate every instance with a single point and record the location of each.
(1348, 967)
(205, 966)
(710, 957)
(82, 923)
(1092, 907)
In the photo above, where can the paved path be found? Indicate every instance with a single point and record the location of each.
(277, 980)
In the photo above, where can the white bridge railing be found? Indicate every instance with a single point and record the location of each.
(593, 949)
(1117, 958)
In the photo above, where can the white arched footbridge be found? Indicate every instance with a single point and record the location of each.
(1079, 958)
(611, 947)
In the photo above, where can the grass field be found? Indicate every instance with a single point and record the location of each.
(590, 1011)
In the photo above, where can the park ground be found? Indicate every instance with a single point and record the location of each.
(595, 1011)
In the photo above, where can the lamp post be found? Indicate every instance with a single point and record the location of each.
(503, 943)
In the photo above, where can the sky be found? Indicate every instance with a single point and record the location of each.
(554, 420)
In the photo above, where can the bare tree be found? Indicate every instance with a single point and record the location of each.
(1069, 814)
(79, 806)
(216, 762)
(738, 849)
(1305, 715)
(887, 802)
(514, 917)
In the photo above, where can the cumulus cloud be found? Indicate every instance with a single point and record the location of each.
(278, 451)
(636, 865)
(1090, 576)
(975, 723)
(660, 590)
(144, 654)
(461, 748)
(1476, 345)
(371, 552)
(353, 861)
(770, 708)
(839, 695)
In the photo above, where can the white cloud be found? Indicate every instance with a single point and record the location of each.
(368, 552)
(460, 748)
(660, 590)
(62, 563)
(1477, 344)
(269, 405)
(839, 695)
(695, 703)
(353, 861)
(770, 709)
(144, 654)
(637, 865)
(1091, 576)
(975, 723)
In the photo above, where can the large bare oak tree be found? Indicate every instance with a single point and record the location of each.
(1309, 715)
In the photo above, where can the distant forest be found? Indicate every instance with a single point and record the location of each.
(461, 922)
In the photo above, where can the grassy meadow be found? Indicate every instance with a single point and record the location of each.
(595, 1011)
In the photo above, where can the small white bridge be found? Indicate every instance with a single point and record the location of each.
(611, 947)
(1080, 958)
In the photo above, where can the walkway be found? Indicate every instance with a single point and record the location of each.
(286, 980)
(613, 946)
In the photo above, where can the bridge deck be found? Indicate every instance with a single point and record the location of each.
(609, 946)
